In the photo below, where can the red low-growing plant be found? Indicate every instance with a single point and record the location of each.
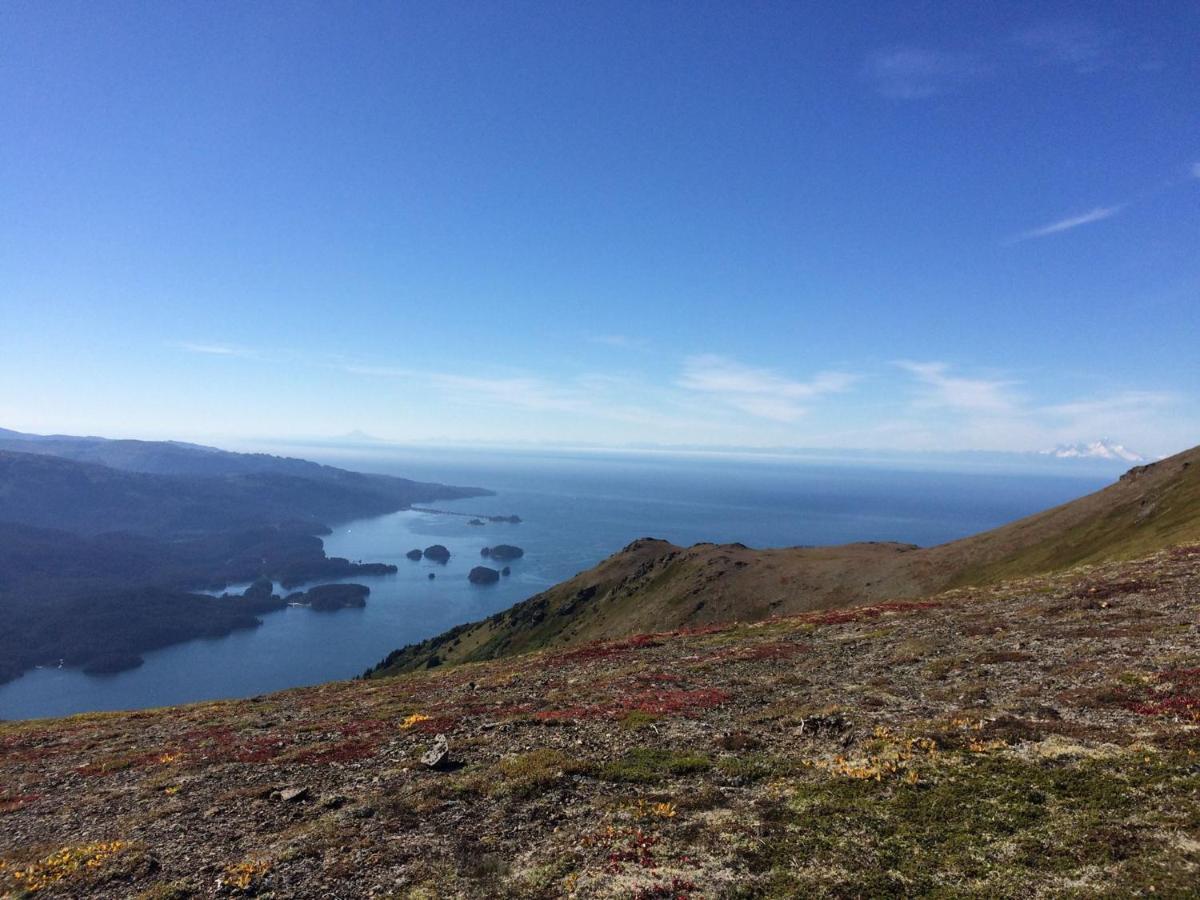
(1181, 700)
(342, 752)
(363, 727)
(857, 614)
(658, 678)
(258, 749)
(606, 649)
(13, 802)
(110, 765)
(221, 744)
(676, 889)
(436, 724)
(765, 650)
(660, 703)
(1176, 707)
(638, 848)
(678, 701)
(700, 630)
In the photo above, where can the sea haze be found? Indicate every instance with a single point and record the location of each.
(575, 510)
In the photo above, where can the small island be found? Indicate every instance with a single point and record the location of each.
(511, 520)
(437, 553)
(332, 567)
(502, 552)
(331, 597)
(483, 575)
(414, 554)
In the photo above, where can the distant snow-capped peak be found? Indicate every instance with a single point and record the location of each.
(1101, 449)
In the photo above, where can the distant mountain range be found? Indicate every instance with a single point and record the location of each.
(1101, 449)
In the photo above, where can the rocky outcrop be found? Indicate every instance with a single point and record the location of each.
(414, 555)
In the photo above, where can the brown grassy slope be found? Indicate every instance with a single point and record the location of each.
(1151, 507)
(652, 585)
(1033, 739)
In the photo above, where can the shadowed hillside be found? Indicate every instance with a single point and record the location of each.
(98, 563)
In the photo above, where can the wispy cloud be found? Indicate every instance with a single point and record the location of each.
(214, 349)
(1079, 45)
(1099, 214)
(917, 73)
(526, 392)
(1114, 413)
(912, 73)
(971, 395)
(583, 397)
(995, 413)
(758, 392)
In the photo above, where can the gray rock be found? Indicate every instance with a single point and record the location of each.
(438, 756)
(294, 794)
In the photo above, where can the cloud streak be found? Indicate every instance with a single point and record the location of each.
(1099, 214)
(992, 413)
(758, 392)
(207, 349)
(955, 392)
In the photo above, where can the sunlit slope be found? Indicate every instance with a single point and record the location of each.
(652, 585)
(1151, 507)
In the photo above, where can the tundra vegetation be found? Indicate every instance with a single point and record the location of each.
(1037, 737)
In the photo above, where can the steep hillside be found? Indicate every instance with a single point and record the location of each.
(652, 584)
(1150, 507)
(1033, 739)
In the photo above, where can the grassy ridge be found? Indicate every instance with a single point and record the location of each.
(653, 585)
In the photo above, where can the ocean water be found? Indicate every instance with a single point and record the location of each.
(576, 509)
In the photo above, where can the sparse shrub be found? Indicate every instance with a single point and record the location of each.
(648, 766)
(636, 719)
(529, 772)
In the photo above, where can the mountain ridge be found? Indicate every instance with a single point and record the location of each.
(653, 582)
(1100, 449)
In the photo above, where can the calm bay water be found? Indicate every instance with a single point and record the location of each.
(576, 509)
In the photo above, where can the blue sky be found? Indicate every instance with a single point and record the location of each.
(919, 225)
